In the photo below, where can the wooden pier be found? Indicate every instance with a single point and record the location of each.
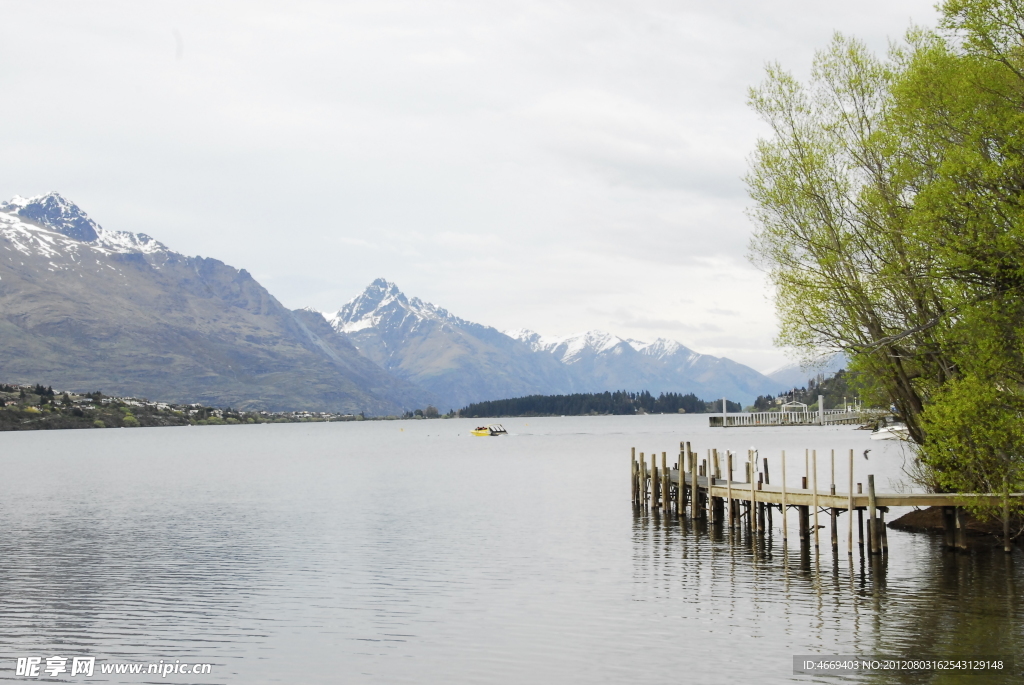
(801, 417)
(699, 490)
(789, 418)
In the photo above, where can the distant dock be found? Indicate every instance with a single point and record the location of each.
(699, 491)
(794, 414)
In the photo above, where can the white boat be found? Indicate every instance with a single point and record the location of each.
(890, 428)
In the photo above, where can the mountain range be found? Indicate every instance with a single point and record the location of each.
(84, 308)
(462, 362)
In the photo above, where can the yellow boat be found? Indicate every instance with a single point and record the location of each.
(493, 429)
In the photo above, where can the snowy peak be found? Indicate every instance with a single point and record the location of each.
(59, 214)
(54, 211)
(663, 348)
(572, 348)
(382, 301)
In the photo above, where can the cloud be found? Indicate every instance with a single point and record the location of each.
(524, 164)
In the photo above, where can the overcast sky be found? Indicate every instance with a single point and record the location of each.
(559, 166)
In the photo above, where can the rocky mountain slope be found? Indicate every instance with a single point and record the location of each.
(462, 362)
(84, 308)
(456, 360)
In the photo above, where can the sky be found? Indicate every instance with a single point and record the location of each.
(554, 165)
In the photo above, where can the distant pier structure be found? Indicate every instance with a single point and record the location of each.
(793, 414)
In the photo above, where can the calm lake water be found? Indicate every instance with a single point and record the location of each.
(411, 552)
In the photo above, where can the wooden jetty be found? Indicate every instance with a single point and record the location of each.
(784, 417)
(700, 491)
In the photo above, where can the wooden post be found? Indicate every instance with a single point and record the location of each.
(760, 507)
(873, 536)
(681, 490)
(883, 533)
(961, 529)
(766, 481)
(835, 523)
(1006, 517)
(785, 534)
(655, 482)
(860, 523)
(665, 501)
(832, 510)
(694, 488)
(753, 500)
(814, 495)
(643, 481)
(949, 527)
(728, 489)
(849, 510)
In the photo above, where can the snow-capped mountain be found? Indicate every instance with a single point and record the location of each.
(57, 213)
(457, 360)
(83, 308)
(603, 361)
(462, 362)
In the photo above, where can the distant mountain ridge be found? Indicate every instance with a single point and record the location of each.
(456, 360)
(603, 361)
(796, 375)
(84, 308)
(464, 362)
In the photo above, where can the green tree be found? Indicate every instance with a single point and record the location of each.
(889, 220)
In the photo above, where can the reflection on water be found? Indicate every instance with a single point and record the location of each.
(932, 603)
(409, 552)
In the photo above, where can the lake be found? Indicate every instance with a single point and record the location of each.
(412, 552)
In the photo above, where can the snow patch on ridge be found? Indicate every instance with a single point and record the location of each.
(55, 212)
